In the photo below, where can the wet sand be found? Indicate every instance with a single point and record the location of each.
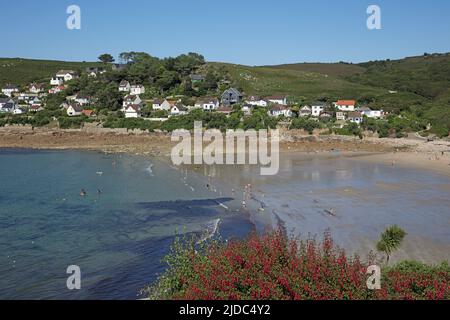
(364, 198)
(379, 181)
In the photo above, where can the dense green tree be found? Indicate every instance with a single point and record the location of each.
(106, 58)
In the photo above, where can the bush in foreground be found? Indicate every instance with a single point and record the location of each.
(275, 267)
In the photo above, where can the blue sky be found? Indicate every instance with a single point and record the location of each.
(252, 32)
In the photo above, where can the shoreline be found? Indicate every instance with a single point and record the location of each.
(412, 153)
(404, 152)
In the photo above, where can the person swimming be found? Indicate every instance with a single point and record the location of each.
(83, 193)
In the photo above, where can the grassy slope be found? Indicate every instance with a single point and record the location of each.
(24, 71)
(297, 84)
(427, 76)
(331, 69)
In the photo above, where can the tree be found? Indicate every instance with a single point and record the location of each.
(390, 240)
(187, 88)
(106, 58)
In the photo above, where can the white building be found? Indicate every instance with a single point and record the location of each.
(66, 75)
(317, 108)
(305, 111)
(279, 110)
(178, 109)
(9, 89)
(137, 89)
(74, 110)
(56, 81)
(81, 100)
(210, 104)
(159, 104)
(369, 113)
(18, 110)
(124, 86)
(345, 105)
(277, 100)
(36, 88)
(131, 100)
(256, 101)
(341, 116)
(355, 117)
(132, 111)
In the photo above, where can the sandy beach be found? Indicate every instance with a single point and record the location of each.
(317, 173)
(416, 153)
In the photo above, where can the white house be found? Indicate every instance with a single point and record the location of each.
(124, 86)
(130, 100)
(369, 113)
(355, 117)
(94, 71)
(277, 100)
(132, 111)
(27, 97)
(74, 110)
(137, 89)
(305, 111)
(317, 108)
(159, 104)
(156, 104)
(279, 110)
(345, 105)
(256, 101)
(18, 110)
(341, 116)
(209, 104)
(9, 89)
(377, 114)
(66, 75)
(36, 88)
(56, 81)
(178, 109)
(81, 100)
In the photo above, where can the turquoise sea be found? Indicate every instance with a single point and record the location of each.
(117, 234)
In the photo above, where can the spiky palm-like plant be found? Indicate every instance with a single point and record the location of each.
(390, 240)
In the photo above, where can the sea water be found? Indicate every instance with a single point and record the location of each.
(117, 233)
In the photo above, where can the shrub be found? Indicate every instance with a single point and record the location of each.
(274, 267)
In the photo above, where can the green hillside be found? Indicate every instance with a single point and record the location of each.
(427, 75)
(297, 84)
(331, 69)
(23, 71)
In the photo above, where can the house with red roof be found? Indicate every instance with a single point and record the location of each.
(345, 105)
